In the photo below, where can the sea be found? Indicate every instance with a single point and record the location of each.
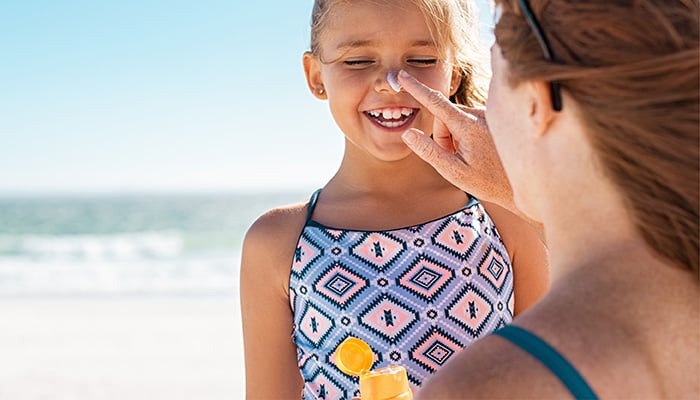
(129, 296)
(127, 245)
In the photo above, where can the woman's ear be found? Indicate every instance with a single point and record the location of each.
(541, 112)
(312, 70)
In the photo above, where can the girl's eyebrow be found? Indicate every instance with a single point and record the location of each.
(352, 44)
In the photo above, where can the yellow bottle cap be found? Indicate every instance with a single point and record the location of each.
(353, 356)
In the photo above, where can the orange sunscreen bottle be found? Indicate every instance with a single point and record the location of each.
(354, 357)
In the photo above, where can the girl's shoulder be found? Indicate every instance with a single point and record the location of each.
(279, 224)
(528, 255)
(270, 242)
(515, 232)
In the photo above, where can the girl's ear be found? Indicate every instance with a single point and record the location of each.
(541, 112)
(312, 70)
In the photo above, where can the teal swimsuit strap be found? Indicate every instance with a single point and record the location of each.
(312, 205)
(551, 359)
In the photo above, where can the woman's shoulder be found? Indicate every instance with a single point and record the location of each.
(492, 368)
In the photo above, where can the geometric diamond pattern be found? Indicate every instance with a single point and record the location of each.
(340, 285)
(426, 278)
(416, 295)
(317, 324)
(471, 309)
(378, 250)
(456, 238)
(434, 349)
(494, 268)
(323, 386)
(388, 318)
(305, 255)
(334, 234)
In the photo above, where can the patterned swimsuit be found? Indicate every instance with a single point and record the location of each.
(416, 295)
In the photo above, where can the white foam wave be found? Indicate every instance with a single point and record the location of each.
(25, 277)
(112, 247)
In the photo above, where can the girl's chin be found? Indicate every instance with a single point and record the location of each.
(392, 153)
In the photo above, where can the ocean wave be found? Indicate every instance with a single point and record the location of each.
(21, 276)
(114, 247)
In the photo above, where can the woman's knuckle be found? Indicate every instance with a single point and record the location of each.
(436, 98)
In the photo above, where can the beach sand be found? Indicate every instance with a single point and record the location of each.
(121, 348)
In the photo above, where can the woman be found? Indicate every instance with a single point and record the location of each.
(593, 108)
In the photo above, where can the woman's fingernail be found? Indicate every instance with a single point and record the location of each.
(392, 78)
(404, 74)
(409, 137)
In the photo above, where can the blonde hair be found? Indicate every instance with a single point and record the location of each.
(633, 68)
(453, 25)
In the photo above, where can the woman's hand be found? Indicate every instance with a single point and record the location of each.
(461, 148)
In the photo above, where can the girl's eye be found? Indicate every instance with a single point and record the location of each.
(358, 63)
(423, 61)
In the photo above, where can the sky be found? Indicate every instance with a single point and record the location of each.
(107, 96)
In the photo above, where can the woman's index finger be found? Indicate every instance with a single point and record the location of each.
(436, 102)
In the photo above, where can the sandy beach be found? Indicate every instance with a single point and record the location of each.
(121, 348)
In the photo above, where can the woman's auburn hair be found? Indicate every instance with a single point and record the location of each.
(632, 66)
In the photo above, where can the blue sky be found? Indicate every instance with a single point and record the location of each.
(159, 95)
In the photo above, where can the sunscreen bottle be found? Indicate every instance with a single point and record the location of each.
(354, 357)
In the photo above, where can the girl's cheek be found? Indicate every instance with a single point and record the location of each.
(434, 79)
(350, 76)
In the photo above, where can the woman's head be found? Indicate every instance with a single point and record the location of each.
(632, 67)
(454, 30)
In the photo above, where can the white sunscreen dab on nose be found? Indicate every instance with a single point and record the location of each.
(393, 78)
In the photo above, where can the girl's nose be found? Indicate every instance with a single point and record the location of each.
(392, 77)
(388, 81)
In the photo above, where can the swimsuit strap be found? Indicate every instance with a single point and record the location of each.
(312, 205)
(551, 359)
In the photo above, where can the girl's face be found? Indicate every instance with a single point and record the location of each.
(362, 43)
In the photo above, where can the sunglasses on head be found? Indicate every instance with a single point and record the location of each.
(546, 50)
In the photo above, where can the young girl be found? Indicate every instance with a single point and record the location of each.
(388, 251)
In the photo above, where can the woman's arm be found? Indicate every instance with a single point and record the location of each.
(270, 354)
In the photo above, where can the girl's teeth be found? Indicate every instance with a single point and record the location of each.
(392, 114)
(392, 117)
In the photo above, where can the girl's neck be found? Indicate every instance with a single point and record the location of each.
(410, 174)
(378, 195)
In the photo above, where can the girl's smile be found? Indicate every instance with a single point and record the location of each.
(393, 118)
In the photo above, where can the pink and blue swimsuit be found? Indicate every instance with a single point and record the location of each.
(417, 295)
